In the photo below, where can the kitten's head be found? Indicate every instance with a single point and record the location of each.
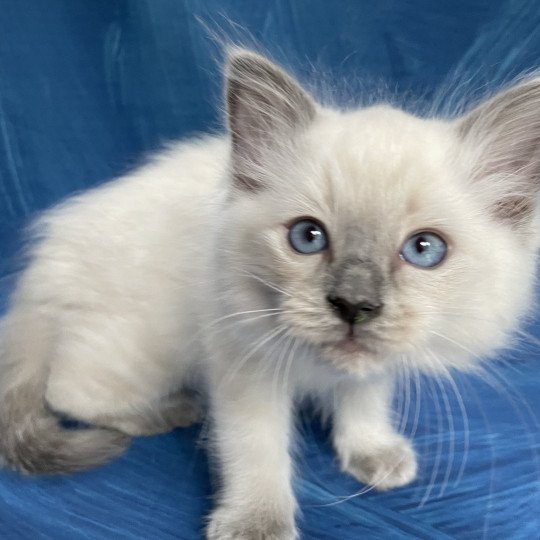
(376, 234)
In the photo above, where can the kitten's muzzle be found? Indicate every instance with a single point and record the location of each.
(354, 312)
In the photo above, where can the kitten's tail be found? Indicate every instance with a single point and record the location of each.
(31, 439)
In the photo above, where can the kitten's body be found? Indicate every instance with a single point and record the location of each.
(180, 276)
(143, 286)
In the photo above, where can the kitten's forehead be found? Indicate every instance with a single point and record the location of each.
(384, 141)
(372, 178)
(379, 162)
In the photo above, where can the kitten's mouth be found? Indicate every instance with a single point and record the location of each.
(352, 343)
(354, 352)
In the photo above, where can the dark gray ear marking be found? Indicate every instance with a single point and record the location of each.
(246, 182)
(506, 130)
(515, 209)
(264, 105)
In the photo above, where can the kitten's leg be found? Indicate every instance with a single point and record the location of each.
(177, 410)
(367, 444)
(251, 431)
(104, 374)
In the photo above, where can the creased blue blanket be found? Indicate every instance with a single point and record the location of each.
(88, 87)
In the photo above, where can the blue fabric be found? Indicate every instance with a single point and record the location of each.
(87, 87)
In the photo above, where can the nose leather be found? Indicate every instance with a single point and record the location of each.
(354, 312)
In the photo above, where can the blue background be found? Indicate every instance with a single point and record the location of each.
(88, 87)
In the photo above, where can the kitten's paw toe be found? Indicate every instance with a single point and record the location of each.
(226, 524)
(385, 467)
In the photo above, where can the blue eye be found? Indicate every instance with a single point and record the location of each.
(307, 236)
(424, 249)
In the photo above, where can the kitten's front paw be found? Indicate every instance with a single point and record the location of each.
(384, 467)
(226, 524)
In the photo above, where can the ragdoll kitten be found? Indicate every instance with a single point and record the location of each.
(310, 254)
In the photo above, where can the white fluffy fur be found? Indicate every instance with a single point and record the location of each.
(175, 276)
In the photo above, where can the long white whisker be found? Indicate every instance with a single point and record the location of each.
(466, 429)
(407, 406)
(417, 402)
(212, 324)
(279, 363)
(267, 283)
(265, 338)
(363, 491)
(450, 419)
(290, 360)
(439, 448)
(400, 389)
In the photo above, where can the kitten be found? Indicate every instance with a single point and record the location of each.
(308, 255)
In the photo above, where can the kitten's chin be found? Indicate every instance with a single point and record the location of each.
(350, 345)
(353, 356)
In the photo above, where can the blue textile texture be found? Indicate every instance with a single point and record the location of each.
(88, 87)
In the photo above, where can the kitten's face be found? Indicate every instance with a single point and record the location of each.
(371, 180)
(328, 202)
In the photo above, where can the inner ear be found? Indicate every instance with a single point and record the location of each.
(265, 107)
(503, 134)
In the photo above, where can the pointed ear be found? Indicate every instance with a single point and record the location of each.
(503, 135)
(265, 106)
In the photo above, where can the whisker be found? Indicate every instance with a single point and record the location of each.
(400, 389)
(279, 362)
(439, 448)
(215, 322)
(407, 406)
(359, 493)
(266, 283)
(417, 401)
(290, 360)
(450, 419)
(261, 342)
(466, 429)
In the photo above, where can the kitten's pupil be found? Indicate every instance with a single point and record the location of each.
(421, 244)
(312, 234)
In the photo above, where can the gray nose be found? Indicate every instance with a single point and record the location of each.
(354, 312)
